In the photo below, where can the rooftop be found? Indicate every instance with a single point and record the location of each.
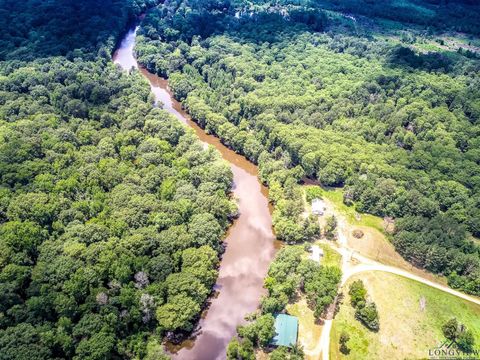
(318, 206)
(286, 330)
(317, 253)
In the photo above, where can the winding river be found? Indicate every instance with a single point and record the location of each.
(250, 241)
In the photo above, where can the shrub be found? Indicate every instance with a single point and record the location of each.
(358, 234)
(344, 337)
(368, 316)
(458, 333)
(365, 311)
(357, 293)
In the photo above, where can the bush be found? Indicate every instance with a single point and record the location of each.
(259, 332)
(466, 341)
(357, 234)
(330, 227)
(368, 316)
(313, 192)
(357, 293)
(365, 311)
(284, 353)
(344, 337)
(450, 329)
(240, 350)
(458, 333)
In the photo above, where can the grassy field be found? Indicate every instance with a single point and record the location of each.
(406, 330)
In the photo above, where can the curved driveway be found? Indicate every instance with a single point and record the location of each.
(366, 264)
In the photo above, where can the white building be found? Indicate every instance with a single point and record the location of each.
(317, 253)
(318, 207)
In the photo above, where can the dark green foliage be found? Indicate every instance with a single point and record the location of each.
(35, 28)
(440, 245)
(396, 125)
(240, 349)
(331, 227)
(457, 15)
(357, 292)
(365, 310)
(320, 283)
(368, 315)
(260, 332)
(282, 279)
(344, 337)
(25, 341)
(450, 329)
(178, 314)
(284, 353)
(466, 341)
(111, 212)
(459, 334)
(288, 272)
(87, 230)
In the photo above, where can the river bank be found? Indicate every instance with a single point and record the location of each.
(250, 242)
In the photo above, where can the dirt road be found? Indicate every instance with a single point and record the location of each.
(354, 263)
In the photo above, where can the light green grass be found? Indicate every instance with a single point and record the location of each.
(330, 256)
(309, 330)
(406, 332)
(430, 47)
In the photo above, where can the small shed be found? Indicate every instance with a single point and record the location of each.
(318, 206)
(317, 253)
(286, 330)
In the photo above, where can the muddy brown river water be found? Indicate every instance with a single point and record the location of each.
(250, 241)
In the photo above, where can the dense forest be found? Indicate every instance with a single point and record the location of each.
(390, 114)
(36, 28)
(111, 212)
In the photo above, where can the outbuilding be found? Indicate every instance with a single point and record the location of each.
(286, 330)
(316, 253)
(318, 206)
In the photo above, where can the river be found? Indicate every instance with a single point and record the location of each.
(250, 242)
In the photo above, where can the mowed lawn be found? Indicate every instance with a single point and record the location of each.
(330, 257)
(406, 331)
(309, 330)
(335, 195)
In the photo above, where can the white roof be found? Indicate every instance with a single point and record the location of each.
(317, 252)
(317, 205)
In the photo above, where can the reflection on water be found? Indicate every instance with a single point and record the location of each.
(250, 242)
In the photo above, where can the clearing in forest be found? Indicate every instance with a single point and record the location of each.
(410, 322)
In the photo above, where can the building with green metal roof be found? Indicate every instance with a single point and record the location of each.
(286, 330)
